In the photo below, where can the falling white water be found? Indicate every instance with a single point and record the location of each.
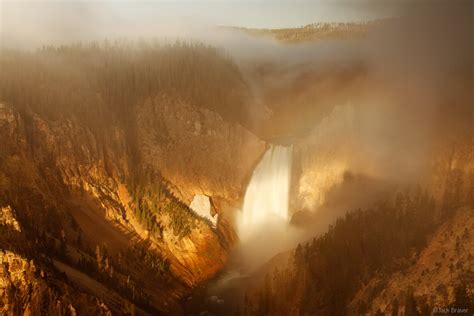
(267, 195)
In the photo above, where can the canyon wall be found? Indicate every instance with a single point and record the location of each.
(82, 196)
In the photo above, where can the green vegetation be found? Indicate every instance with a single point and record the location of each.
(146, 214)
(148, 189)
(152, 198)
(181, 219)
(146, 209)
(150, 259)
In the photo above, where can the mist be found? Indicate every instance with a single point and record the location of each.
(29, 24)
(409, 89)
(399, 82)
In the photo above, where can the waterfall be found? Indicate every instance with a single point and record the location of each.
(267, 195)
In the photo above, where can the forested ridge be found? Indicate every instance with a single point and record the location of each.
(315, 31)
(102, 81)
(323, 274)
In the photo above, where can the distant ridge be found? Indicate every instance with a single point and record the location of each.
(313, 32)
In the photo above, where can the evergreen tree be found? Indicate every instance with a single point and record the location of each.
(461, 297)
(247, 305)
(395, 308)
(452, 198)
(410, 304)
(99, 258)
(425, 310)
(379, 313)
(267, 295)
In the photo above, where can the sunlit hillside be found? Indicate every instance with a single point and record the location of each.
(314, 32)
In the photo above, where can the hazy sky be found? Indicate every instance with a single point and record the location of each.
(38, 22)
(256, 13)
(260, 13)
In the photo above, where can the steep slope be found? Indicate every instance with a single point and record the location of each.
(445, 262)
(68, 170)
(101, 190)
(30, 287)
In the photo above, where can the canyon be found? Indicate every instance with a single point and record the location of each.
(324, 171)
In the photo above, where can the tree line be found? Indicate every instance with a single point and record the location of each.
(105, 80)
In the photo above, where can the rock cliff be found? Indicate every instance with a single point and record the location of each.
(110, 218)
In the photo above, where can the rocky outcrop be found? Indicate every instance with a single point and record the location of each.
(26, 289)
(201, 204)
(7, 218)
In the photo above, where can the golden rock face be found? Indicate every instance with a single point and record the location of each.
(8, 219)
(69, 157)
